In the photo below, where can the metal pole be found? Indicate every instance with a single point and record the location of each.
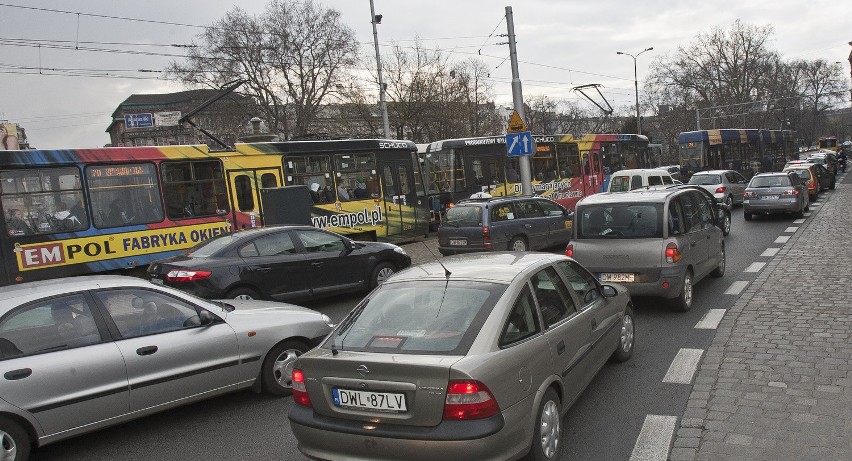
(382, 103)
(636, 86)
(518, 100)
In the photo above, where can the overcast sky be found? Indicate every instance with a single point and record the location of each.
(561, 44)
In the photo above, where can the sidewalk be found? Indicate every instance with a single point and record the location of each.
(776, 384)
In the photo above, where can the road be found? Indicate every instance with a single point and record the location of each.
(604, 424)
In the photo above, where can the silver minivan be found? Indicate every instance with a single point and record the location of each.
(656, 242)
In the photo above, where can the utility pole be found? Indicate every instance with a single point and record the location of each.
(377, 20)
(518, 101)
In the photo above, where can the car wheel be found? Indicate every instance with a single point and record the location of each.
(627, 337)
(381, 273)
(277, 371)
(831, 187)
(547, 432)
(15, 444)
(747, 216)
(801, 213)
(242, 293)
(720, 269)
(518, 244)
(726, 223)
(683, 302)
(729, 201)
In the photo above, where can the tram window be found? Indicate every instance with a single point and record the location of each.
(313, 171)
(41, 201)
(194, 189)
(418, 187)
(390, 184)
(512, 169)
(544, 165)
(356, 176)
(568, 160)
(245, 198)
(124, 195)
(268, 180)
(404, 184)
(444, 171)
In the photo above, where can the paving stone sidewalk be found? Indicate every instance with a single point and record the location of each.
(776, 383)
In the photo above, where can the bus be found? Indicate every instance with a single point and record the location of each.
(748, 151)
(563, 167)
(828, 143)
(83, 211)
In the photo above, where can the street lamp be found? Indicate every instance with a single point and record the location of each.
(377, 19)
(636, 84)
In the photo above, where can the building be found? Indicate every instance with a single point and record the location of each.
(152, 119)
(13, 136)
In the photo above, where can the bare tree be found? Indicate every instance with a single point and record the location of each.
(820, 86)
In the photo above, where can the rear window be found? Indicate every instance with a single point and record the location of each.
(817, 160)
(769, 181)
(464, 216)
(620, 221)
(619, 184)
(804, 174)
(705, 179)
(418, 317)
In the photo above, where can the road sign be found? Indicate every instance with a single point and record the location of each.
(516, 125)
(138, 120)
(518, 144)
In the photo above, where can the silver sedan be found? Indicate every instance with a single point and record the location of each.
(83, 353)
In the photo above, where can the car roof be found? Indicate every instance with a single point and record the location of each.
(500, 267)
(771, 173)
(640, 171)
(633, 196)
(45, 288)
(698, 173)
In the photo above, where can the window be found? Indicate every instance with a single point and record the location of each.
(313, 171)
(551, 208)
(51, 325)
(444, 171)
(145, 312)
(655, 180)
(245, 194)
(195, 188)
(44, 200)
(554, 300)
(529, 209)
(522, 322)
(501, 212)
(582, 282)
(677, 225)
(619, 184)
(314, 241)
(705, 211)
(279, 243)
(568, 159)
(543, 164)
(357, 171)
(124, 195)
(268, 180)
(636, 182)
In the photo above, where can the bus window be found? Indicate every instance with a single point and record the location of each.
(124, 195)
(312, 171)
(245, 198)
(568, 160)
(356, 176)
(268, 180)
(41, 201)
(194, 189)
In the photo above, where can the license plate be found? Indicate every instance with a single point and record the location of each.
(382, 401)
(607, 277)
(157, 281)
(458, 242)
(769, 197)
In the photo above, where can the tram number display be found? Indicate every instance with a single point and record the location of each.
(112, 171)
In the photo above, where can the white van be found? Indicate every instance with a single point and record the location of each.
(626, 180)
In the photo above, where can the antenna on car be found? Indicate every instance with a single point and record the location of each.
(447, 272)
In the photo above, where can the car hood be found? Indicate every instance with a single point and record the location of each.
(255, 307)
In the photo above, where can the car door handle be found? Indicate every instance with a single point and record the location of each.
(264, 269)
(560, 348)
(17, 374)
(148, 350)
(528, 226)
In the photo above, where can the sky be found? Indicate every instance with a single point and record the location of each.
(560, 44)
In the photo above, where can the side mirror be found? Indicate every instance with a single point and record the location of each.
(206, 317)
(608, 291)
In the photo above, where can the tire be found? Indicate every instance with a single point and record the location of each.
(683, 302)
(381, 273)
(518, 244)
(726, 223)
(833, 181)
(547, 429)
(276, 373)
(748, 216)
(627, 338)
(729, 202)
(15, 444)
(242, 293)
(801, 213)
(720, 269)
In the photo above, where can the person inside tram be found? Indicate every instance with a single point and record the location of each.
(512, 175)
(361, 190)
(16, 225)
(315, 194)
(343, 192)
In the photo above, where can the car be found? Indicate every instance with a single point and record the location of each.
(475, 357)
(674, 171)
(657, 242)
(283, 263)
(87, 352)
(627, 180)
(516, 223)
(828, 159)
(770, 193)
(815, 177)
(728, 186)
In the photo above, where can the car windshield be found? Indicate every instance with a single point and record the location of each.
(769, 181)
(705, 179)
(418, 317)
(621, 221)
(464, 216)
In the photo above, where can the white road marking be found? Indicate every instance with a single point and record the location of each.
(799, 221)
(654, 438)
(791, 229)
(711, 319)
(683, 366)
(754, 267)
(770, 252)
(807, 214)
(782, 239)
(816, 204)
(736, 288)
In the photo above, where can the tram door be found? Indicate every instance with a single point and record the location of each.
(245, 185)
(592, 172)
(402, 214)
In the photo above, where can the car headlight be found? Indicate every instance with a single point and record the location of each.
(399, 250)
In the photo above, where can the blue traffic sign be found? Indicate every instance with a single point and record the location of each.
(518, 144)
(138, 120)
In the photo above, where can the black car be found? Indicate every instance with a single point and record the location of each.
(280, 263)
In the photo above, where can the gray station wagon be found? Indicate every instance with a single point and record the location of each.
(656, 242)
(517, 223)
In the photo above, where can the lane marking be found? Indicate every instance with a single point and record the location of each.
(654, 438)
(736, 288)
(711, 319)
(816, 204)
(807, 214)
(782, 239)
(754, 267)
(684, 366)
(791, 229)
(799, 221)
(770, 252)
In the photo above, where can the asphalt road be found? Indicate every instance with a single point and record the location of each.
(602, 425)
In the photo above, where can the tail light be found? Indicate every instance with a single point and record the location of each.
(467, 399)
(300, 393)
(793, 192)
(721, 189)
(672, 253)
(811, 185)
(486, 238)
(569, 250)
(179, 276)
(750, 194)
